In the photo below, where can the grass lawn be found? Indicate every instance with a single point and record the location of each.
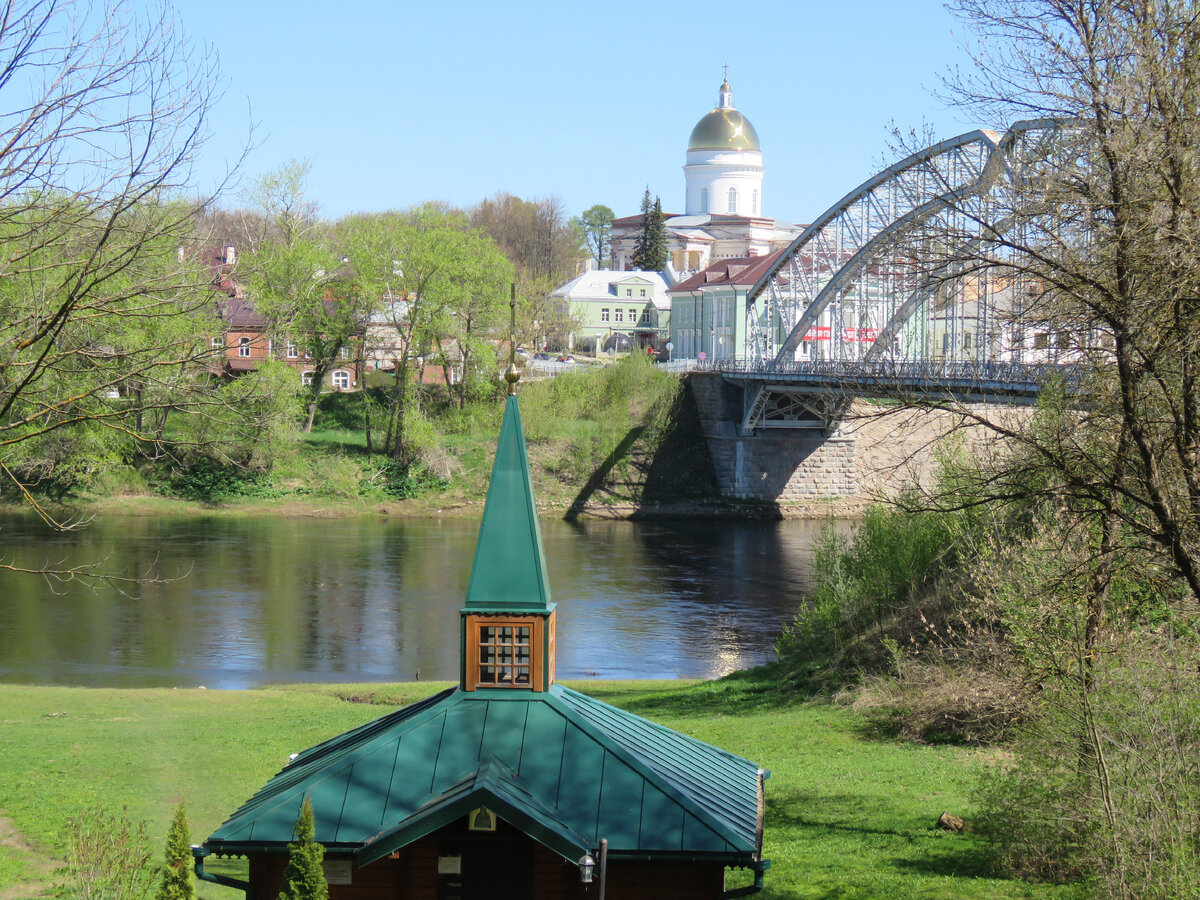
(848, 815)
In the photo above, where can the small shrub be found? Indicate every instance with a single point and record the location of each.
(304, 879)
(176, 881)
(108, 858)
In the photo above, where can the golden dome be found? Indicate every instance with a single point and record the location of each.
(724, 129)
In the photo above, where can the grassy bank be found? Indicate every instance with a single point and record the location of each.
(848, 815)
(605, 440)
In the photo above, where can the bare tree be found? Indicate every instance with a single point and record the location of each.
(105, 301)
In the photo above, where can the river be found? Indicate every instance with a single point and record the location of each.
(241, 602)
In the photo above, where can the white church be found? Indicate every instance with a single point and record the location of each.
(723, 216)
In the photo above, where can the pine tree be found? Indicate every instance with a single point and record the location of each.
(640, 246)
(177, 865)
(650, 249)
(304, 878)
(656, 239)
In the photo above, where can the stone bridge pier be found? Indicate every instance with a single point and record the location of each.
(784, 465)
(877, 450)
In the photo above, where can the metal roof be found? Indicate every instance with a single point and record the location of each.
(564, 768)
(509, 571)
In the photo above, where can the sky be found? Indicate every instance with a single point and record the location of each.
(397, 103)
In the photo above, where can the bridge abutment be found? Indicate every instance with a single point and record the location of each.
(785, 465)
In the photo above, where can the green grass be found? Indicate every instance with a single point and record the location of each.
(848, 816)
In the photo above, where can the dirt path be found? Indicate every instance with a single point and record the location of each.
(38, 866)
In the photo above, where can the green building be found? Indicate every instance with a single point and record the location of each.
(509, 785)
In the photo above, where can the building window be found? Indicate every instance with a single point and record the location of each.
(306, 378)
(604, 314)
(754, 202)
(645, 317)
(1041, 341)
(505, 654)
(341, 380)
(619, 316)
(293, 352)
(244, 346)
(703, 200)
(642, 293)
(732, 200)
(633, 315)
(628, 292)
(218, 343)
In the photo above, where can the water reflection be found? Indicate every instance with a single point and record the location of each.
(257, 601)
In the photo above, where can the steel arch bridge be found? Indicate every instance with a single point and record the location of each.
(889, 290)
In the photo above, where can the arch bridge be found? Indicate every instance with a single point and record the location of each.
(908, 286)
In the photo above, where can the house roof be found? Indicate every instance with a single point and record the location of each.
(237, 312)
(564, 768)
(599, 285)
(736, 271)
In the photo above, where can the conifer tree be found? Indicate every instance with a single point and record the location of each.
(304, 878)
(650, 249)
(176, 874)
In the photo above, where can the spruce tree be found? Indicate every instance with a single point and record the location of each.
(177, 866)
(641, 245)
(656, 239)
(304, 879)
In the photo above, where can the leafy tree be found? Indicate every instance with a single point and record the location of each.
(596, 225)
(298, 281)
(177, 868)
(304, 878)
(650, 249)
(104, 299)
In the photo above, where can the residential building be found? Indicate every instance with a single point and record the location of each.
(624, 310)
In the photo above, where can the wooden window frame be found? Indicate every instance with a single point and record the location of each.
(537, 626)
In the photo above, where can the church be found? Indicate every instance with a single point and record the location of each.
(723, 210)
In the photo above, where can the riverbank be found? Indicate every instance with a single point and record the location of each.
(848, 813)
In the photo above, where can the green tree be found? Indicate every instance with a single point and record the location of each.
(298, 281)
(176, 881)
(650, 249)
(304, 879)
(596, 226)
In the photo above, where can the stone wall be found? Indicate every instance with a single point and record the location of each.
(876, 451)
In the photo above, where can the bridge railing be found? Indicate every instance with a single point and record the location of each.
(900, 375)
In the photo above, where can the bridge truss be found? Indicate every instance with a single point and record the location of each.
(909, 271)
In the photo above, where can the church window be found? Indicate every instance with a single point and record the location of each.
(703, 200)
(604, 314)
(754, 202)
(732, 200)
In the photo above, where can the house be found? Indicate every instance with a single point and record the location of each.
(508, 785)
(708, 310)
(248, 339)
(632, 308)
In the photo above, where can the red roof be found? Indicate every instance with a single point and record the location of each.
(742, 271)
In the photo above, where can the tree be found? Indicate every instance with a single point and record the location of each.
(177, 866)
(596, 225)
(304, 879)
(534, 234)
(300, 282)
(650, 249)
(1096, 230)
(103, 296)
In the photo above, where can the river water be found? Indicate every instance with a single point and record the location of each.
(244, 602)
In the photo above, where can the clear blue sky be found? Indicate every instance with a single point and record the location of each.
(395, 103)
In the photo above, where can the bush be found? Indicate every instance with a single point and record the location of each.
(107, 858)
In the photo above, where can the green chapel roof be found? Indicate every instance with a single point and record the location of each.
(564, 768)
(509, 571)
